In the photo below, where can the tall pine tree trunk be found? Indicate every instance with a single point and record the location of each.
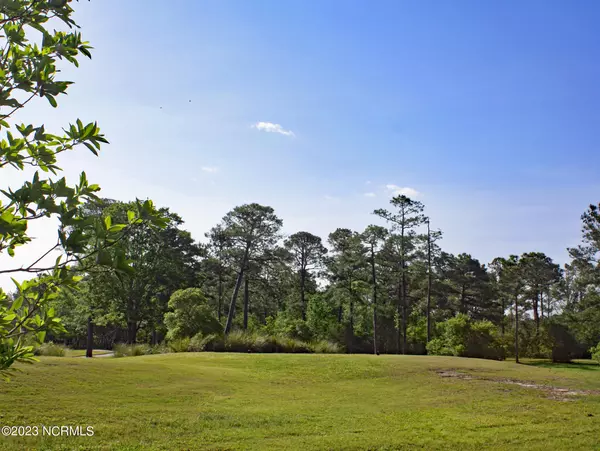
(517, 327)
(404, 301)
(302, 300)
(502, 315)
(236, 291)
(536, 315)
(398, 322)
(220, 302)
(374, 277)
(428, 282)
(246, 302)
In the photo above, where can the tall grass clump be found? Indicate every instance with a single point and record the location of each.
(211, 342)
(50, 350)
(291, 345)
(179, 345)
(241, 341)
(325, 347)
(158, 349)
(124, 350)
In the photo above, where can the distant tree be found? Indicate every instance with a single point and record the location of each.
(540, 273)
(373, 236)
(307, 253)
(472, 291)
(347, 268)
(216, 265)
(432, 250)
(408, 217)
(251, 229)
(583, 280)
(510, 281)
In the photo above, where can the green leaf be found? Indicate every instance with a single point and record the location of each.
(16, 305)
(41, 335)
(51, 100)
(103, 258)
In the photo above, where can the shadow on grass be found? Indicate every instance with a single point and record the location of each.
(586, 365)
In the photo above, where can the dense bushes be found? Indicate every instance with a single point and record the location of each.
(240, 341)
(286, 325)
(564, 346)
(190, 315)
(595, 351)
(463, 337)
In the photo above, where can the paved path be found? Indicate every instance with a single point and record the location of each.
(107, 354)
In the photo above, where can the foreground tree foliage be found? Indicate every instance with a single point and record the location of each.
(29, 56)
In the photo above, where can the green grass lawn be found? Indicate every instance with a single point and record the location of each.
(285, 401)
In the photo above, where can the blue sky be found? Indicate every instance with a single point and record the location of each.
(487, 112)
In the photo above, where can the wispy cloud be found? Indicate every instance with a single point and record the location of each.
(211, 169)
(370, 194)
(270, 127)
(331, 198)
(402, 191)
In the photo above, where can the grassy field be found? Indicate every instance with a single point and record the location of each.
(277, 401)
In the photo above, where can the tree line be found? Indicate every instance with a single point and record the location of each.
(389, 288)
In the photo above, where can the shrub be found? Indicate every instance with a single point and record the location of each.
(564, 345)
(179, 345)
(461, 336)
(292, 345)
(196, 344)
(595, 351)
(286, 325)
(239, 341)
(533, 342)
(264, 343)
(124, 350)
(243, 341)
(158, 349)
(212, 342)
(190, 315)
(321, 319)
(50, 350)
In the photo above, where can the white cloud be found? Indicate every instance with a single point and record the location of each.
(211, 169)
(331, 198)
(402, 191)
(368, 182)
(270, 127)
(370, 194)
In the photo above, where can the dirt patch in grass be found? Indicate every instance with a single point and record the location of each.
(557, 393)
